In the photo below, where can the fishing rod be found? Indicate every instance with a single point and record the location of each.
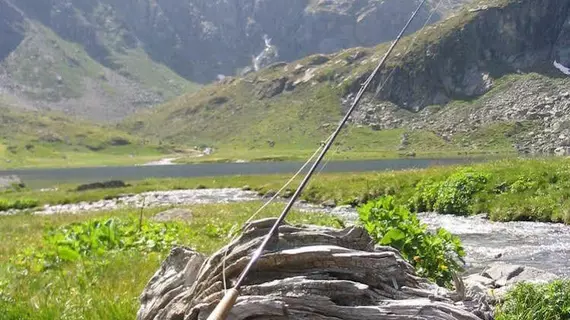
(225, 305)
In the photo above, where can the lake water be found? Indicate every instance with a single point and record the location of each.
(40, 178)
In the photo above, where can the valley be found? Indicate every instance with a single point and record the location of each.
(139, 137)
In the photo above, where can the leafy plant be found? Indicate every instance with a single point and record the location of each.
(536, 301)
(96, 238)
(523, 184)
(434, 255)
(220, 230)
(451, 196)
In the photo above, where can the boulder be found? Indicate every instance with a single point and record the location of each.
(329, 203)
(306, 272)
(498, 278)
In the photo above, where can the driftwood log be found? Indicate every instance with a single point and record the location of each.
(308, 272)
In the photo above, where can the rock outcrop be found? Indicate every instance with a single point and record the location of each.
(498, 278)
(531, 111)
(307, 272)
(460, 57)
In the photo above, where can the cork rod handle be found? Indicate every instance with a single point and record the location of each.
(225, 306)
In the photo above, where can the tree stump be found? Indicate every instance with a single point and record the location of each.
(307, 272)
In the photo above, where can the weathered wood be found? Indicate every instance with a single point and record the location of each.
(307, 272)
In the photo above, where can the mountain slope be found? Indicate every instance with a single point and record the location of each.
(55, 57)
(482, 79)
(105, 59)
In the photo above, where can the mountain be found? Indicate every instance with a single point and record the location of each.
(489, 77)
(103, 59)
(55, 56)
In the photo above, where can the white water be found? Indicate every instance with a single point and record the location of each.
(269, 53)
(541, 245)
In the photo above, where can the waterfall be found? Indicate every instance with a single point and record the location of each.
(267, 56)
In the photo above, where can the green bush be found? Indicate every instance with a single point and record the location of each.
(95, 238)
(531, 301)
(434, 255)
(451, 196)
(19, 204)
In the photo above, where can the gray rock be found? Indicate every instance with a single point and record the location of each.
(499, 277)
(329, 204)
(309, 272)
(271, 88)
(532, 275)
(561, 151)
(502, 271)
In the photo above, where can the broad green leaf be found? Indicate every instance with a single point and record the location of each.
(67, 254)
(392, 236)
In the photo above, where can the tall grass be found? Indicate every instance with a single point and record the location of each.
(537, 301)
(105, 286)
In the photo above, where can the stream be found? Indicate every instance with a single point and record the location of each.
(542, 245)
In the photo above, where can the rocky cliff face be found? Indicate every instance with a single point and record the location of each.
(501, 62)
(10, 25)
(204, 38)
(496, 39)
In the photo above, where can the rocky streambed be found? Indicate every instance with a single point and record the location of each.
(542, 245)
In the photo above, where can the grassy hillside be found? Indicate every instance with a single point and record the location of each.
(286, 110)
(34, 139)
(239, 125)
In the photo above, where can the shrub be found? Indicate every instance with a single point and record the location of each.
(451, 196)
(536, 301)
(523, 184)
(96, 238)
(434, 255)
(19, 204)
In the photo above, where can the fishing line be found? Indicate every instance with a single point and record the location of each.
(222, 309)
(268, 202)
